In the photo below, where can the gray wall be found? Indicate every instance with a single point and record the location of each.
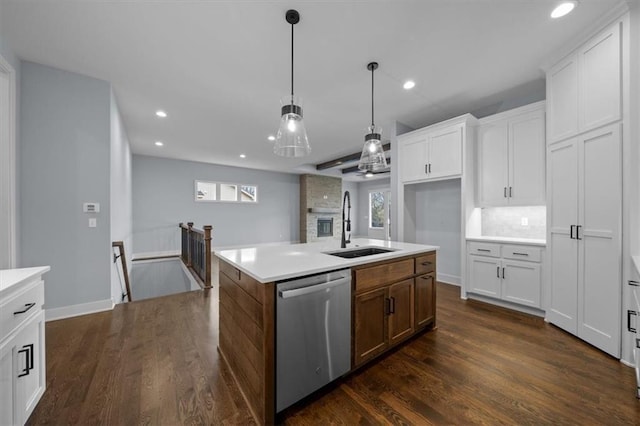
(120, 196)
(163, 196)
(363, 202)
(64, 161)
(438, 213)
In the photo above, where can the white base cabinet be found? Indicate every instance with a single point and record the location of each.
(495, 270)
(22, 345)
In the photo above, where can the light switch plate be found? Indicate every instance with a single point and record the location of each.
(93, 222)
(524, 221)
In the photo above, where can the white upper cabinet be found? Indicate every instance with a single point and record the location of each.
(599, 62)
(511, 158)
(584, 89)
(562, 99)
(432, 153)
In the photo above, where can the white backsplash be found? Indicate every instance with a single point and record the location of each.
(509, 222)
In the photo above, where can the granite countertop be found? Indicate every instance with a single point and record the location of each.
(275, 263)
(12, 277)
(511, 240)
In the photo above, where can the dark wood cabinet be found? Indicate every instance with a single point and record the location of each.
(392, 301)
(401, 312)
(371, 324)
(425, 288)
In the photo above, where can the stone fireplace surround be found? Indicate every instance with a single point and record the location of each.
(320, 197)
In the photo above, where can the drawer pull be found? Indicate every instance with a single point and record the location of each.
(634, 283)
(520, 254)
(27, 306)
(629, 314)
(426, 263)
(485, 250)
(427, 277)
(28, 351)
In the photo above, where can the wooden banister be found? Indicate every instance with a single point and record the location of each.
(123, 260)
(196, 251)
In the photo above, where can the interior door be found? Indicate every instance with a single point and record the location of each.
(562, 218)
(445, 153)
(600, 216)
(493, 173)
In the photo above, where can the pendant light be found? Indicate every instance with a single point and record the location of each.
(291, 139)
(372, 158)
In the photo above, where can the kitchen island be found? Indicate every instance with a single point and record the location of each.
(392, 297)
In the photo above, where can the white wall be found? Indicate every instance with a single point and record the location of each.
(163, 196)
(64, 161)
(120, 196)
(437, 206)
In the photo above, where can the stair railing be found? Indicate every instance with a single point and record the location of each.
(196, 252)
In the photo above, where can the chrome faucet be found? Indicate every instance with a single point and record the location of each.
(346, 202)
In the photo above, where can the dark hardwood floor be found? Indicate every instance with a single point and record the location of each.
(155, 362)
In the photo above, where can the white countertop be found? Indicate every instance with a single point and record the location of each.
(12, 277)
(274, 263)
(511, 240)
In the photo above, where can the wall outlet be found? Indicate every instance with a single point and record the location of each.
(524, 221)
(93, 222)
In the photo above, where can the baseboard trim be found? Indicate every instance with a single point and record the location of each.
(627, 363)
(449, 279)
(504, 304)
(54, 314)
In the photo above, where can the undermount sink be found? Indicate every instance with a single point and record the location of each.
(359, 252)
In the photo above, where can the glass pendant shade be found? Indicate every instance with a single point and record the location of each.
(291, 139)
(372, 158)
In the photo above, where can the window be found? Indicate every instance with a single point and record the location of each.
(225, 192)
(205, 191)
(376, 210)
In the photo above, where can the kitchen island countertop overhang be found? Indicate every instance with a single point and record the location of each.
(280, 262)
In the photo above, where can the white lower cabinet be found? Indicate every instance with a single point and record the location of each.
(495, 270)
(22, 349)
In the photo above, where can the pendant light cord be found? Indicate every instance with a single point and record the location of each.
(291, 64)
(372, 125)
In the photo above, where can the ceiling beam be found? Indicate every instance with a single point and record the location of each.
(355, 168)
(347, 158)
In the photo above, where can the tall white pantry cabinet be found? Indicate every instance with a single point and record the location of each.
(584, 189)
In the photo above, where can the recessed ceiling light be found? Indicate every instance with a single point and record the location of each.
(243, 156)
(562, 9)
(409, 84)
(271, 138)
(158, 143)
(160, 113)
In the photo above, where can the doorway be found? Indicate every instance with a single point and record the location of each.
(7, 166)
(379, 217)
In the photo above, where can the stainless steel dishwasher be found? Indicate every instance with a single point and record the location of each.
(313, 334)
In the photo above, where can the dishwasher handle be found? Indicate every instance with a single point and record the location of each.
(313, 288)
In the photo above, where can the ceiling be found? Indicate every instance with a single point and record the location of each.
(219, 68)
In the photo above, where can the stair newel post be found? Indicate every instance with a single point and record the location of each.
(207, 248)
(189, 244)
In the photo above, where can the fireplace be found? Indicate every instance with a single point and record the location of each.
(325, 227)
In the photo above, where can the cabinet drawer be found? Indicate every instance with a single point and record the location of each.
(484, 249)
(369, 278)
(531, 254)
(426, 263)
(33, 294)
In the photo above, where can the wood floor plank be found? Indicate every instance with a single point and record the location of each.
(155, 362)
